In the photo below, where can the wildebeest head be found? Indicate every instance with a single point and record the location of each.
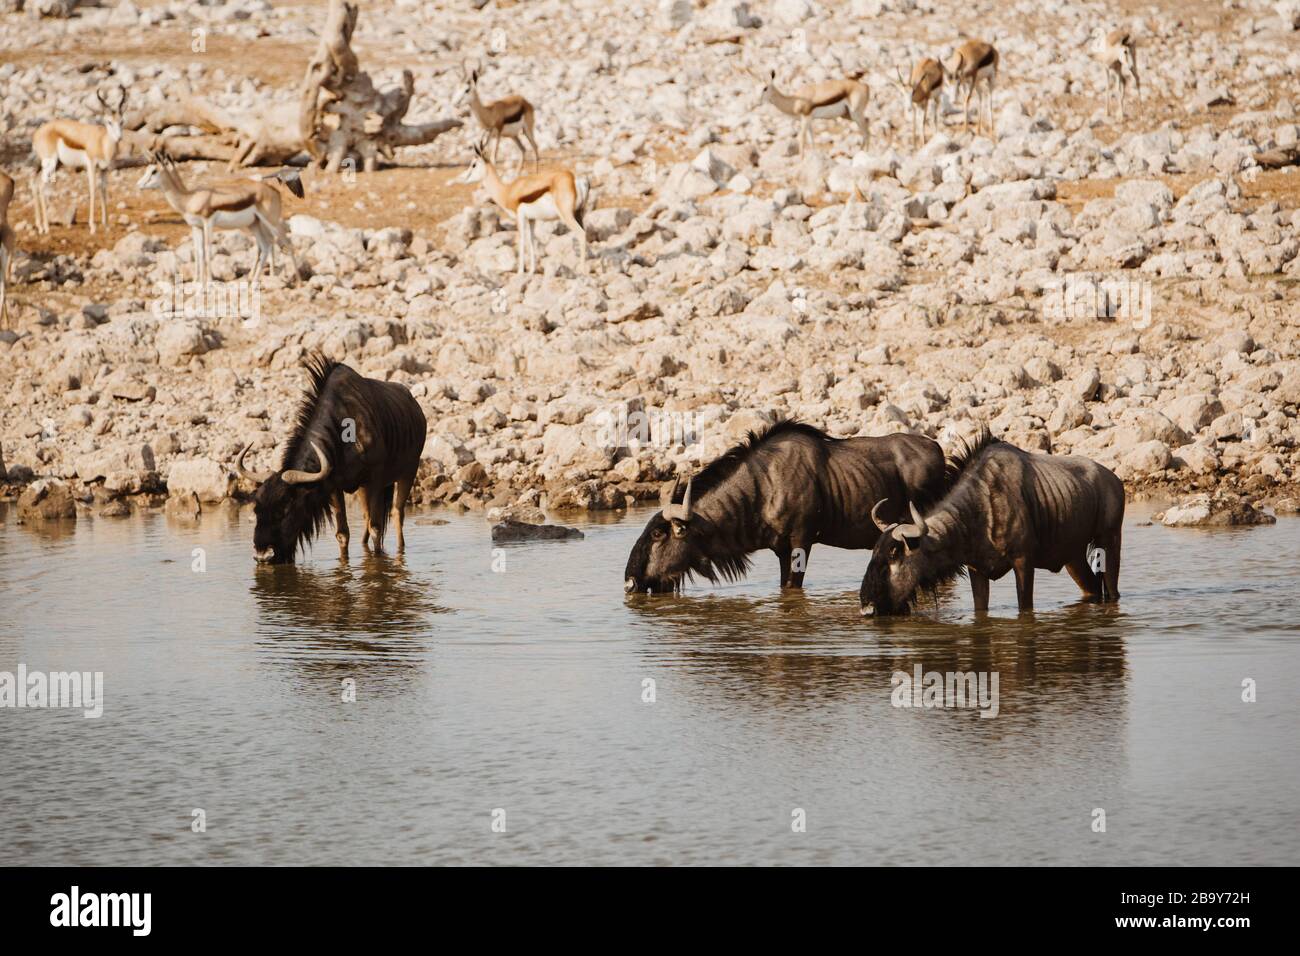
(289, 506)
(672, 547)
(894, 572)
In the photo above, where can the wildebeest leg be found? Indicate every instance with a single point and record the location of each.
(979, 589)
(1088, 580)
(1111, 575)
(341, 522)
(784, 558)
(799, 564)
(399, 509)
(1024, 569)
(364, 499)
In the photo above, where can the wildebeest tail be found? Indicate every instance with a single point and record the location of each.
(379, 512)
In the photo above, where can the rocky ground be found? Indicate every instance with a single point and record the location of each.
(1122, 290)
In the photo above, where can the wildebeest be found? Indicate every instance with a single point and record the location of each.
(1007, 510)
(786, 489)
(352, 434)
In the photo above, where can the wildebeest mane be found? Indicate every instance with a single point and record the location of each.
(318, 369)
(725, 465)
(966, 452)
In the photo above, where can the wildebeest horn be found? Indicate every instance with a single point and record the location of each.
(681, 512)
(258, 477)
(307, 477)
(916, 529)
(917, 517)
(876, 517)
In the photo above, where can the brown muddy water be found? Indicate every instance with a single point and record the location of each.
(515, 681)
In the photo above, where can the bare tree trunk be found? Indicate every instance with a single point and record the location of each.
(338, 118)
(341, 103)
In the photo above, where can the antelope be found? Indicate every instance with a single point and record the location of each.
(78, 146)
(6, 244)
(923, 87)
(970, 63)
(510, 117)
(252, 205)
(556, 194)
(1116, 51)
(831, 99)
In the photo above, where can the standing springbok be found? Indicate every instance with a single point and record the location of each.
(830, 99)
(78, 146)
(511, 116)
(1116, 51)
(556, 194)
(252, 205)
(6, 245)
(970, 63)
(922, 88)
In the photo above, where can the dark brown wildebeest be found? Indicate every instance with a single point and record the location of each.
(1007, 510)
(352, 434)
(786, 489)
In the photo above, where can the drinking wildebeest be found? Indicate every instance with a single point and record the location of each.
(352, 434)
(785, 489)
(1007, 510)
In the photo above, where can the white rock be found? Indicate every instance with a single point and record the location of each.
(205, 478)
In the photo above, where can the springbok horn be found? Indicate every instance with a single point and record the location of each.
(876, 517)
(307, 477)
(258, 477)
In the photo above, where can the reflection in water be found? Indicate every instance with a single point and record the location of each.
(519, 684)
(1062, 665)
(370, 612)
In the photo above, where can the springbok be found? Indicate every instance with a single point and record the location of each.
(970, 63)
(511, 116)
(78, 146)
(830, 99)
(252, 205)
(555, 194)
(923, 87)
(1116, 51)
(6, 245)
